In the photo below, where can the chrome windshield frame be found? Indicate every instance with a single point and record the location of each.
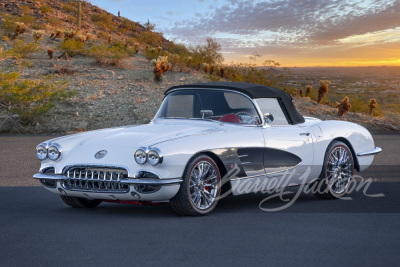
(230, 91)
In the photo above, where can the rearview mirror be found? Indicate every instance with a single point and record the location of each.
(268, 117)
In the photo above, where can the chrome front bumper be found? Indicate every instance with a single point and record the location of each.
(374, 151)
(128, 181)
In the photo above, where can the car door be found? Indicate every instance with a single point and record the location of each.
(289, 150)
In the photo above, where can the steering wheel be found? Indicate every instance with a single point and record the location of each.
(253, 119)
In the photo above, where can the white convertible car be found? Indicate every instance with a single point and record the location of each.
(206, 140)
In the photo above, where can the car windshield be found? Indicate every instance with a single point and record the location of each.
(217, 105)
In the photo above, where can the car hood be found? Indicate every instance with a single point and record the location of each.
(138, 136)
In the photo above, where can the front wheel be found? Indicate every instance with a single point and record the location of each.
(77, 202)
(200, 189)
(335, 178)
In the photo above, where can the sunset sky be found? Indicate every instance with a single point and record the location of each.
(292, 32)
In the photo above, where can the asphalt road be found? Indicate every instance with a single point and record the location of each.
(37, 229)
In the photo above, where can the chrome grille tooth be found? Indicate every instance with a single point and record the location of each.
(80, 178)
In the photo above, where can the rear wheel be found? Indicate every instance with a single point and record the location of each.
(335, 178)
(200, 189)
(77, 202)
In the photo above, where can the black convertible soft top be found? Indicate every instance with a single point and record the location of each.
(253, 91)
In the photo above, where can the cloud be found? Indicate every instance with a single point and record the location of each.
(289, 22)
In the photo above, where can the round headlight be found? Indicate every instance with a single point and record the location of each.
(140, 156)
(153, 157)
(41, 152)
(53, 152)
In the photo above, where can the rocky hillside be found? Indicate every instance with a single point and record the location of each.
(106, 95)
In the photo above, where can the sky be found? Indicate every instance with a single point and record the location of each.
(292, 32)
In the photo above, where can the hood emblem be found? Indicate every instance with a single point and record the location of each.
(101, 154)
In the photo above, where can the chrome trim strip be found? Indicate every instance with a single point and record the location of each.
(374, 151)
(248, 177)
(241, 156)
(151, 181)
(46, 176)
(232, 91)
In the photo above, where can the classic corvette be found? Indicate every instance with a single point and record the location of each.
(206, 140)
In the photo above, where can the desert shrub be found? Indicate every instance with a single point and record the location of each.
(103, 21)
(27, 64)
(213, 78)
(150, 38)
(74, 47)
(9, 25)
(55, 22)
(128, 25)
(102, 35)
(30, 98)
(38, 26)
(359, 105)
(27, 19)
(108, 55)
(151, 53)
(68, 8)
(21, 49)
(46, 9)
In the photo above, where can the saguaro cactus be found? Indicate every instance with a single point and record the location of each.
(79, 15)
(372, 105)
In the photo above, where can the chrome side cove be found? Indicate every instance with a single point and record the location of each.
(151, 181)
(374, 151)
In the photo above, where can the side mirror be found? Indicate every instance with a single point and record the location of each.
(268, 117)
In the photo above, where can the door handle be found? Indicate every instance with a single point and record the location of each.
(306, 134)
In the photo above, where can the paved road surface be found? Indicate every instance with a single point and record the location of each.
(37, 229)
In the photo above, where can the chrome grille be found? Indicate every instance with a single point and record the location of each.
(100, 180)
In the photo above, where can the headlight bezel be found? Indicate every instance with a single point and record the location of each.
(58, 148)
(157, 152)
(143, 151)
(44, 148)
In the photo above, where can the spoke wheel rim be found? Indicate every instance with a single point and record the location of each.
(339, 170)
(203, 185)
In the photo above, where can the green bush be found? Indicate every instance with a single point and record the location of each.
(55, 22)
(150, 38)
(108, 55)
(103, 21)
(127, 25)
(21, 49)
(27, 19)
(30, 98)
(74, 47)
(46, 9)
(68, 8)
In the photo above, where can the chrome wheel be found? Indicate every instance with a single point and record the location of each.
(200, 188)
(203, 185)
(339, 170)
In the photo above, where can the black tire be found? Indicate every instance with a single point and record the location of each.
(324, 187)
(77, 202)
(192, 187)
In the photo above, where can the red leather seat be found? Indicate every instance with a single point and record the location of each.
(233, 118)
